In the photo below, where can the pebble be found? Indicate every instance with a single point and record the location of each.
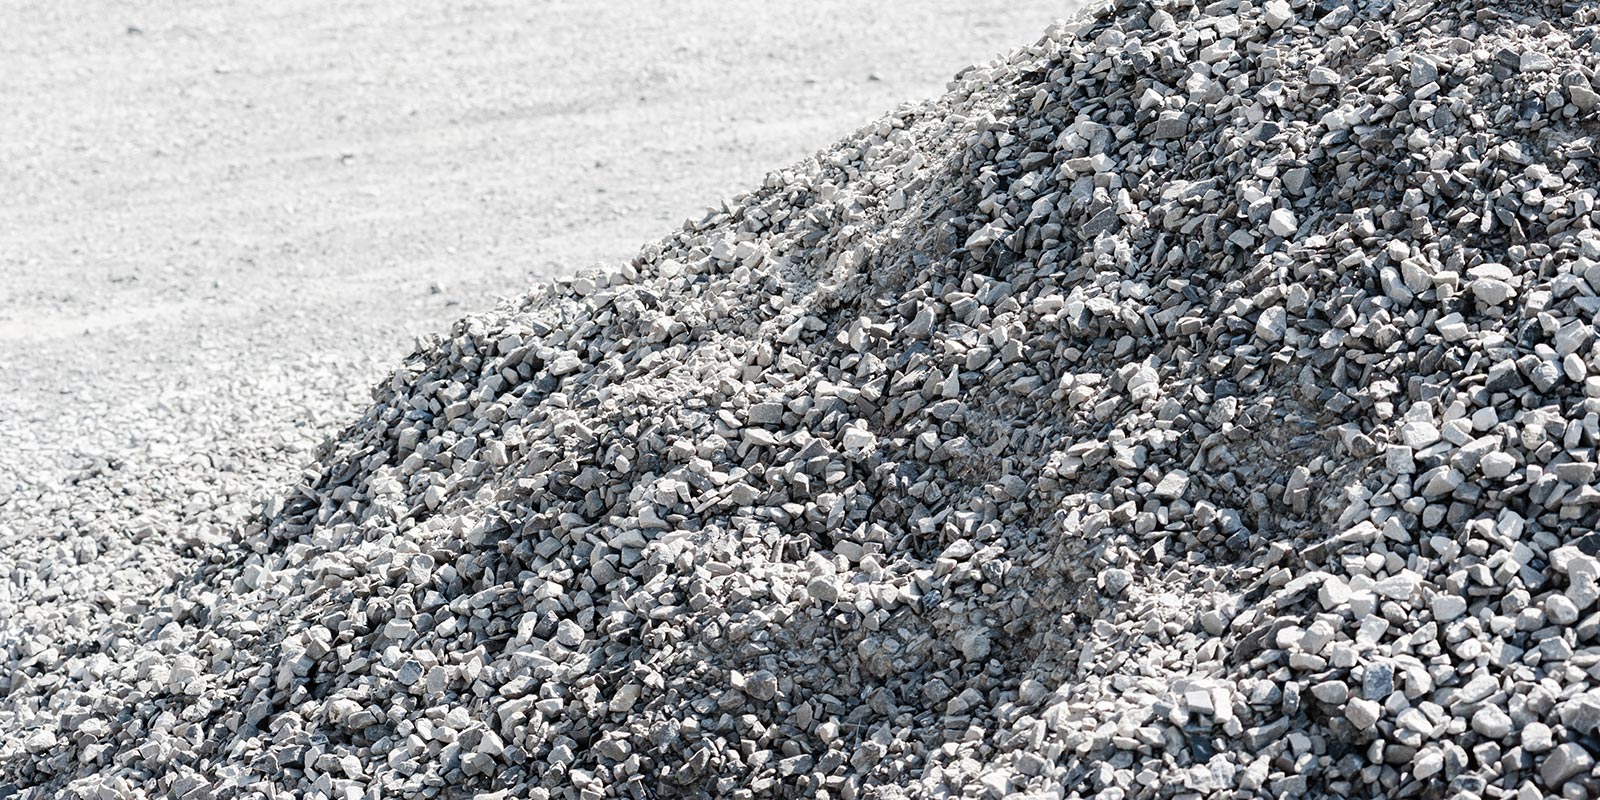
(1172, 486)
(1419, 434)
(1448, 607)
(1560, 609)
(1427, 764)
(1331, 692)
(1282, 222)
(1272, 325)
(1536, 737)
(1536, 61)
(823, 588)
(1563, 763)
(1277, 13)
(1362, 713)
(1584, 97)
(1491, 722)
(1400, 586)
(1497, 465)
(1581, 713)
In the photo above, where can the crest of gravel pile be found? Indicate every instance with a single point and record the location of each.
(1202, 401)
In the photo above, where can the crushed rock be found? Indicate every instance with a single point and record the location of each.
(1201, 401)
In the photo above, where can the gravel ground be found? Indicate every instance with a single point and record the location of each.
(1199, 401)
(221, 224)
(257, 210)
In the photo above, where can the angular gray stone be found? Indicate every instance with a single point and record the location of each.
(1564, 763)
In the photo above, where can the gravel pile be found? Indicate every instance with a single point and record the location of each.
(1202, 401)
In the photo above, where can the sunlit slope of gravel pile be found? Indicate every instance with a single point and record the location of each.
(1201, 402)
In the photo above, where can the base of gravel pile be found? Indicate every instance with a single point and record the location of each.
(1201, 402)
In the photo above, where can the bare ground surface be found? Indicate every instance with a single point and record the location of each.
(220, 224)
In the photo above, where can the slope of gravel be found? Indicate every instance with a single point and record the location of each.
(1198, 402)
(223, 222)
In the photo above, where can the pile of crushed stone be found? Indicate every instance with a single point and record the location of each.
(1202, 401)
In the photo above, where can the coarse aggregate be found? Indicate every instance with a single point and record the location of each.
(1201, 401)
